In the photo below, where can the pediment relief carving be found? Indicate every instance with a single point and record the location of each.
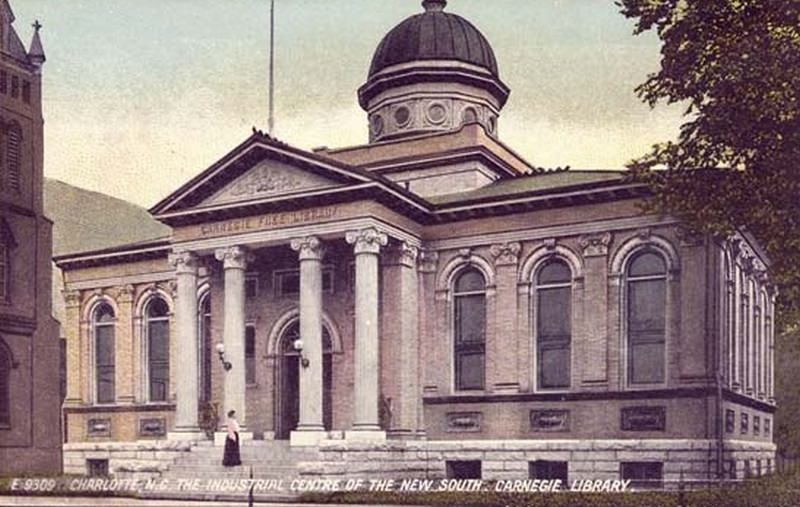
(269, 178)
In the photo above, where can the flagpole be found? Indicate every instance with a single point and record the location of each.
(271, 124)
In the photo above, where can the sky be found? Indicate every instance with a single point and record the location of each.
(142, 95)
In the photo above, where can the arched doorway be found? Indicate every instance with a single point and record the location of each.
(288, 382)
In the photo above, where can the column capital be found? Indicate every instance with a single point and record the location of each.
(234, 257)
(368, 240)
(428, 260)
(72, 298)
(184, 262)
(125, 293)
(506, 254)
(309, 248)
(595, 245)
(404, 254)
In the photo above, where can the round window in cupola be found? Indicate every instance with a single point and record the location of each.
(437, 113)
(402, 116)
(376, 124)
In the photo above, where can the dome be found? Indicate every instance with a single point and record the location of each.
(434, 35)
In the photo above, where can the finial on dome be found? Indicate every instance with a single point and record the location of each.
(434, 5)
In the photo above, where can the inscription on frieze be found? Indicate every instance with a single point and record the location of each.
(270, 221)
(644, 419)
(549, 420)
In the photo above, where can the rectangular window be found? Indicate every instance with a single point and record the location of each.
(463, 469)
(766, 426)
(250, 354)
(548, 470)
(97, 467)
(470, 323)
(643, 474)
(745, 424)
(756, 425)
(4, 271)
(62, 367)
(287, 283)
(251, 287)
(646, 329)
(553, 337)
(158, 346)
(3, 82)
(26, 92)
(14, 87)
(730, 421)
(104, 355)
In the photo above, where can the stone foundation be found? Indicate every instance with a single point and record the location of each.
(683, 460)
(142, 459)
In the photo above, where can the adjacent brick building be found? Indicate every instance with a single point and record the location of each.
(458, 311)
(30, 439)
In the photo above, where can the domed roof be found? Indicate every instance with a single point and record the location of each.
(434, 35)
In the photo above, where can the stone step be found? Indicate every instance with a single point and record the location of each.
(268, 498)
(189, 470)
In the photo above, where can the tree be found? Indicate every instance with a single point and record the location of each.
(735, 65)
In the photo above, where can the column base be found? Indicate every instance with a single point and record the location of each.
(307, 438)
(186, 434)
(220, 436)
(365, 435)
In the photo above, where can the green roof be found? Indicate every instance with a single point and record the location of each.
(535, 183)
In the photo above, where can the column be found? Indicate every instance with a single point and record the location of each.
(185, 264)
(234, 263)
(310, 429)
(597, 318)
(367, 244)
(502, 352)
(72, 332)
(399, 367)
(124, 355)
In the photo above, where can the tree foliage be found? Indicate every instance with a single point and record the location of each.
(735, 65)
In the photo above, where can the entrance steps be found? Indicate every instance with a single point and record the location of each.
(267, 460)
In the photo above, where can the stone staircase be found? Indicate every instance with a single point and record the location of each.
(199, 474)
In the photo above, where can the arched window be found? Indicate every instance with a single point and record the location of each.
(553, 297)
(157, 326)
(13, 155)
(646, 279)
(5, 394)
(469, 324)
(470, 116)
(103, 329)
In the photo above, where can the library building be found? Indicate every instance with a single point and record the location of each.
(426, 304)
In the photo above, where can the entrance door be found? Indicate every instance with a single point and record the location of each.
(288, 385)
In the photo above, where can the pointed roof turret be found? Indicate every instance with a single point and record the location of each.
(36, 52)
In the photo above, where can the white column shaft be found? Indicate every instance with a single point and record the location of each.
(311, 335)
(186, 323)
(366, 341)
(233, 330)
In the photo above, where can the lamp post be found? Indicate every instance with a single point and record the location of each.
(298, 346)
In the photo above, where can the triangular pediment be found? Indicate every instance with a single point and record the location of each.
(259, 171)
(269, 178)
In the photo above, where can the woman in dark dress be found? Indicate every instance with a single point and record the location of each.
(231, 457)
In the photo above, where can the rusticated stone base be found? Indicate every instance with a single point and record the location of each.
(688, 461)
(142, 459)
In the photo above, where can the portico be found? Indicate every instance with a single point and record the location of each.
(366, 244)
